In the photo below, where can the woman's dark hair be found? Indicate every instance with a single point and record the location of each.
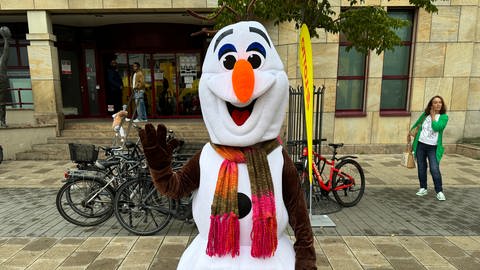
(137, 64)
(443, 110)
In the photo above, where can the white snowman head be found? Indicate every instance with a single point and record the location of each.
(243, 88)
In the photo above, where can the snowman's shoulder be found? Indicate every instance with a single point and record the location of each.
(209, 157)
(208, 152)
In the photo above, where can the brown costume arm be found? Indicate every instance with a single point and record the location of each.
(158, 153)
(293, 197)
(179, 183)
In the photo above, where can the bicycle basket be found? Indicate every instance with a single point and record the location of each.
(83, 152)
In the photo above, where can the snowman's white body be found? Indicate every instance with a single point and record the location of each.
(195, 257)
(240, 53)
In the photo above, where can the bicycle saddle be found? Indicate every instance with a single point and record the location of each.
(103, 164)
(335, 145)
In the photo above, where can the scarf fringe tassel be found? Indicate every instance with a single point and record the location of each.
(224, 235)
(264, 237)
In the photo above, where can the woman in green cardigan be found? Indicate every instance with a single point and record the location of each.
(428, 144)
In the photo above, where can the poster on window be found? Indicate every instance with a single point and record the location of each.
(188, 65)
(121, 58)
(158, 76)
(66, 66)
(132, 58)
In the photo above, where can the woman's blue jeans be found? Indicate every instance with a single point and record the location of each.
(424, 152)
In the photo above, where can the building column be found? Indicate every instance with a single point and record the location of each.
(44, 70)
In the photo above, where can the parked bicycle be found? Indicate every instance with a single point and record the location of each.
(142, 210)
(345, 179)
(86, 197)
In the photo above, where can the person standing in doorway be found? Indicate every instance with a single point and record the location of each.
(115, 87)
(139, 92)
(162, 98)
(5, 95)
(427, 144)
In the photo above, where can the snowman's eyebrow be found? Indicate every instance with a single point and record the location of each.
(221, 36)
(261, 33)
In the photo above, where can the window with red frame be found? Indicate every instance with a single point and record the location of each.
(396, 68)
(351, 79)
(18, 73)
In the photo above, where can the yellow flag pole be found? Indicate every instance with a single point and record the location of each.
(306, 69)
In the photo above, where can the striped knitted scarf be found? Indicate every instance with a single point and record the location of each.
(224, 234)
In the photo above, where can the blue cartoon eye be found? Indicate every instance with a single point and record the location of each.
(227, 55)
(257, 54)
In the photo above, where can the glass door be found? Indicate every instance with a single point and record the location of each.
(189, 70)
(70, 82)
(91, 82)
(165, 82)
(171, 82)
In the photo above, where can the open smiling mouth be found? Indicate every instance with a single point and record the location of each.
(240, 115)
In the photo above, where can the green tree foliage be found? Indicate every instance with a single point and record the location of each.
(368, 28)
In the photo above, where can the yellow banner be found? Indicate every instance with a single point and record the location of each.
(306, 68)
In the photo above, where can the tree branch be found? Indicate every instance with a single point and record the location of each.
(215, 15)
(250, 9)
(206, 31)
(198, 16)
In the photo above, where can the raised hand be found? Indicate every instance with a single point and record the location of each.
(158, 151)
(432, 113)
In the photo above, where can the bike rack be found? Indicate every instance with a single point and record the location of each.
(296, 132)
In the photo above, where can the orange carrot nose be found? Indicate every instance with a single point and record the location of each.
(243, 80)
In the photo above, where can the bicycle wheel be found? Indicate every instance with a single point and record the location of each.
(85, 202)
(140, 208)
(350, 176)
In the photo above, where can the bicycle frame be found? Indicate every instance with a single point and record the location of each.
(318, 173)
(174, 212)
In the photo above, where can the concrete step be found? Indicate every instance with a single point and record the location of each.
(193, 134)
(48, 147)
(99, 132)
(104, 141)
(86, 140)
(88, 133)
(107, 125)
(184, 134)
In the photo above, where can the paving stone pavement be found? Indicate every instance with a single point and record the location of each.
(390, 228)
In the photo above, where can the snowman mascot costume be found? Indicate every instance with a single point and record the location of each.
(245, 187)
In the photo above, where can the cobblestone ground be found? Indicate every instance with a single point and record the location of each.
(391, 228)
(382, 211)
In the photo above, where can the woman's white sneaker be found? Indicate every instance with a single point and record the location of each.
(441, 196)
(422, 192)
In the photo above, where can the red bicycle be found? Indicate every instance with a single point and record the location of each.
(345, 178)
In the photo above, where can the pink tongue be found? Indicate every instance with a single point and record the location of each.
(239, 117)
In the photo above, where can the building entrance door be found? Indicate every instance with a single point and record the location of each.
(70, 82)
(90, 88)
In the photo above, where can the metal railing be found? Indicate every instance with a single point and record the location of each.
(296, 130)
(18, 101)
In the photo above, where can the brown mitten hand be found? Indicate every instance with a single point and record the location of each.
(157, 150)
